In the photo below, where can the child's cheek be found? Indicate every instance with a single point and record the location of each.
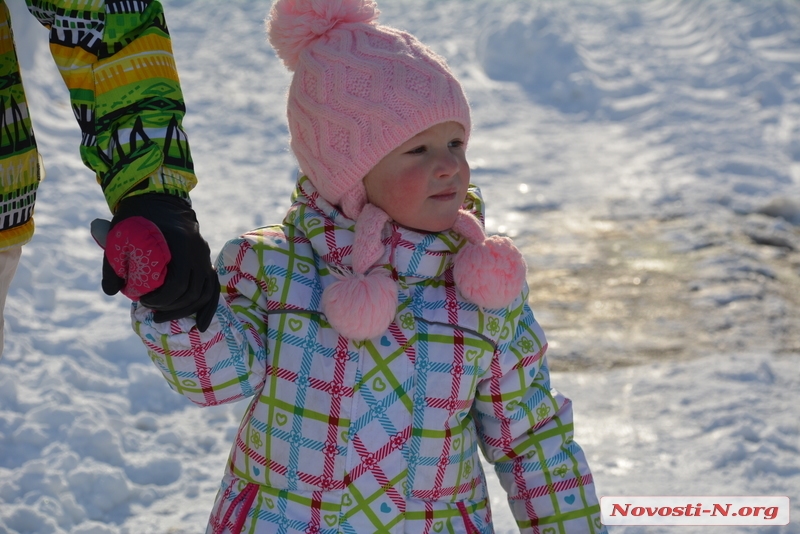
(410, 186)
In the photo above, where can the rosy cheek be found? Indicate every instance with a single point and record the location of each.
(396, 193)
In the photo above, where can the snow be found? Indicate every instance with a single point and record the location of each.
(644, 155)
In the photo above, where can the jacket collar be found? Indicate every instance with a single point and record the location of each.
(411, 253)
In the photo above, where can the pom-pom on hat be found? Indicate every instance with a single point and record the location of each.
(359, 91)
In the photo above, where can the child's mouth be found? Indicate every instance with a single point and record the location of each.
(444, 196)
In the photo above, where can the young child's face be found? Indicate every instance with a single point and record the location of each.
(422, 183)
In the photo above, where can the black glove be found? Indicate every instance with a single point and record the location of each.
(191, 284)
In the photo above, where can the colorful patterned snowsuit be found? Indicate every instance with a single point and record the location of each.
(116, 59)
(379, 435)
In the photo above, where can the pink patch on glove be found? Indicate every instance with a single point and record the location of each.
(138, 253)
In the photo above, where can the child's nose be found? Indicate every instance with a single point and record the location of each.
(447, 164)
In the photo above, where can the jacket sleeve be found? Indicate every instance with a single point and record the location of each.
(227, 362)
(526, 432)
(116, 60)
(20, 171)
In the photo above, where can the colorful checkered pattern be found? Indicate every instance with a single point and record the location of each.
(116, 59)
(381, 435)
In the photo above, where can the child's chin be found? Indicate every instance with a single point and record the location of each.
(432, 225)
(435, 228)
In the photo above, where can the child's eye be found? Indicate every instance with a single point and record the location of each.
(456, 143)
(417, 150)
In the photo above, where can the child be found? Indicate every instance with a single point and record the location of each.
(383, 337)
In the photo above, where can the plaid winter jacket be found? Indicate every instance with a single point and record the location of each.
(116, 59)
(380, 435)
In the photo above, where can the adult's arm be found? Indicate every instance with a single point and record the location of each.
(19, 159)
(115, 57)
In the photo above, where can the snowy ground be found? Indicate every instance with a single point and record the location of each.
(646, 157)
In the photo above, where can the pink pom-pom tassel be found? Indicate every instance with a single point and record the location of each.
(361, 306)
(490, 274)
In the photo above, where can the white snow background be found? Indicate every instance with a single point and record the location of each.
(646, 157)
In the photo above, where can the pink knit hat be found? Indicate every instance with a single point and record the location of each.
(359, 91)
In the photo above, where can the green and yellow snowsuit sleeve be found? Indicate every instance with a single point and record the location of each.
(116, 59)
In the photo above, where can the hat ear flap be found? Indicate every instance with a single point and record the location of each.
(489, 272)
(354, 201)
(362, 305)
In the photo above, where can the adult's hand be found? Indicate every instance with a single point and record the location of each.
(191, 285)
